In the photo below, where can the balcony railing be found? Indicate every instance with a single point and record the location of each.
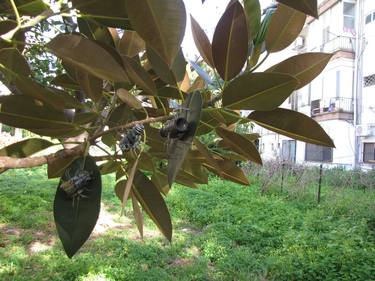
(339, 43)
(333, 105)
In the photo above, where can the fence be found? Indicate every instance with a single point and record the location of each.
(301, 179)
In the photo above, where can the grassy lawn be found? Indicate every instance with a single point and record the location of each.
(222, 231)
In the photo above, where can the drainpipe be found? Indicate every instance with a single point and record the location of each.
(358, 80)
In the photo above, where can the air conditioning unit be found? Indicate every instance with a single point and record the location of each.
(363, 130)
(299, 43)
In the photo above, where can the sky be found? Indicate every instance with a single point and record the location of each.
(207, 15)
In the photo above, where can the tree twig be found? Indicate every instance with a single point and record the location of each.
(131, 125)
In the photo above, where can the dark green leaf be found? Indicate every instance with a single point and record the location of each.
(24, 112)
(139, 75)
(161, 24)
(152, 202)
(201, 41)
(65, 81)
(240, 144)
(169, 92)
(12, 60)
(292, 124)
(286, 24)
(25, 148)
(95, 31)
(85, 118)
(253, 14)
(229, 171)
(259, 91)
(75, 219)
(88, 56)
(24, 7)
(109, 12)
(56, 168)
(230, 42)
(305, 67)
(309, 7)
(35, 90)
(131, 44)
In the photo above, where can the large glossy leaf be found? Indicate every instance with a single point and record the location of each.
(240, 144)
(151, 201)
(169, 92)
(225, 169)
(129, 99)
(201, 41)
(160, 180)
(91, 86)
(286, 24)
(179, 66)
(56, 168)
(230, 42)
(253, 15)
(170, 75)
(11, 59)
(138, 216)
(209, 159)
(109, 12)
(95, 31)
(309, 7)
(76, 218)
(129, 183)
(229, 171)
(139, 76)
(131, 44)
(65, 81)
(161, 24)
(24, 7)
(177, 148)
(25, 148)
(24, 112)
(305, 67)
(160, 67)
(89, 56)
(292, 124)
(35, 90)
(18, 40)
(194, 171)
(259, 91)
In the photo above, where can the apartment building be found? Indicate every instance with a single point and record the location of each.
(342, 98)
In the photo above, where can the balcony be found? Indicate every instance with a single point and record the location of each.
(333, 109)
(339, 43)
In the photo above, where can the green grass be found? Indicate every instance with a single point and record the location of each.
(222, 231)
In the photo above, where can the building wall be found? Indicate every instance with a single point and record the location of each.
(337, 80)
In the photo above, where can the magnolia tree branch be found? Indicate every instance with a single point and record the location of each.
(29, 162)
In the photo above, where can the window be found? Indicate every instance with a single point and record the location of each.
(317, 153)
(349, 16)
(326, 34)
(338, 81)
(309, 95)
(288, 152)
(368, 19)
(369, 80)
(369, 152)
